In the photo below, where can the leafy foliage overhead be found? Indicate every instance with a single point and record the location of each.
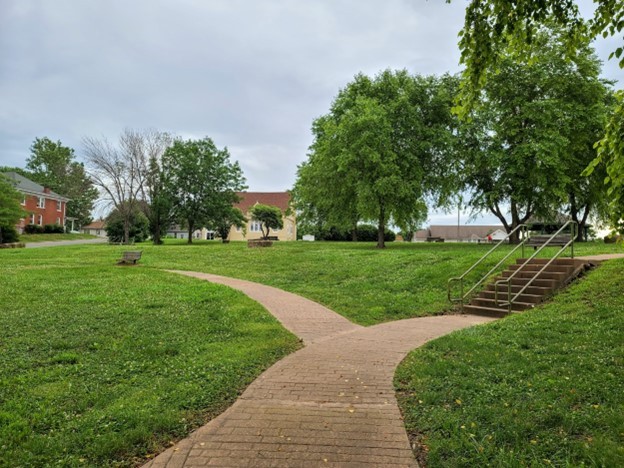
(494, 26)
(532, 135)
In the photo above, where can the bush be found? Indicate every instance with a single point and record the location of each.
(8, 235)
(139, 227)
(33, 229)
(611, 239)
(53, 229)
(365, 233)
(368, 233)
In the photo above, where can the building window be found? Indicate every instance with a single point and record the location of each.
(255, 226)
(24, 200)
(32, 218)
(40, 220)
(58, 221)
(40, 202)
(59, 205)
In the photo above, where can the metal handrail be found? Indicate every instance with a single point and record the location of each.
(523, 230)
(573, 225)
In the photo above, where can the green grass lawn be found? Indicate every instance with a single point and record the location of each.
(108, 364)
(542, 388)
(103, 365)
(53, 237)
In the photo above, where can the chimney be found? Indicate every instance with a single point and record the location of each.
(46, 190)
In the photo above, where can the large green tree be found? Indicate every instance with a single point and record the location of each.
(493, 27)
(379, 152)
(10, 209)
(201, 181)
(54, 165)
(532, 135)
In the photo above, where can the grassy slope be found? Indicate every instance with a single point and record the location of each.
(100, 365)
(545, 387)
(53, 237)
(364, 284)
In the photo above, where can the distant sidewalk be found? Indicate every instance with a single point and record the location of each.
(33, 245)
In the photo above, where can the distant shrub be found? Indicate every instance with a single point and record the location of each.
(139, 227)
(364, 232)
(8, 235)
(33, 229)
(368, 233)
(53, 229)
(611, 239)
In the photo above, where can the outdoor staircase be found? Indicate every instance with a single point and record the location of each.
(493, 300)
(524, 284)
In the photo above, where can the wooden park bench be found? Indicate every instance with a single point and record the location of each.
(539, 240)
(130, 258)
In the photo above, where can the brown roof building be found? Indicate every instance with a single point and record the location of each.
(249, 199)
(253, 231)
(467, 233)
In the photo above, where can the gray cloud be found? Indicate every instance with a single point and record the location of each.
(251, 75)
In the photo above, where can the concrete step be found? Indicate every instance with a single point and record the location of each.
(491, 303)
(537, 290)
(539, 282)
(557, 261)
(535, 267)
(485, 311)
(524, 297)
(558, 276)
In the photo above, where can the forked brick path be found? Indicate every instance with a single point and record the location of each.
(331, 403)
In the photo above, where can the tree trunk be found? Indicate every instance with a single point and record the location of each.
(354, 234)
(126, 224)
(156, 234)
(191, 225)
(381, 229)
(574, 214)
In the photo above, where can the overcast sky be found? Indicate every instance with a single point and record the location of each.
(252, 75)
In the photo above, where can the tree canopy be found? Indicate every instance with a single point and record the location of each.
(200, 181)
(232, 217)
(10, 209)
(269, 217)
(379, 152)
(54, 165)
(494, 26)
(533, 134)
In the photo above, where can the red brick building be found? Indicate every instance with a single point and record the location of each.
(42, 205)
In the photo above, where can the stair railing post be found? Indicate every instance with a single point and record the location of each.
(509, 296)
(461, 290)
(574, 232)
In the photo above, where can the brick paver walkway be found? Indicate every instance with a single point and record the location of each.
(331, 403)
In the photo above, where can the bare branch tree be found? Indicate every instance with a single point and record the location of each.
(121, 171)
